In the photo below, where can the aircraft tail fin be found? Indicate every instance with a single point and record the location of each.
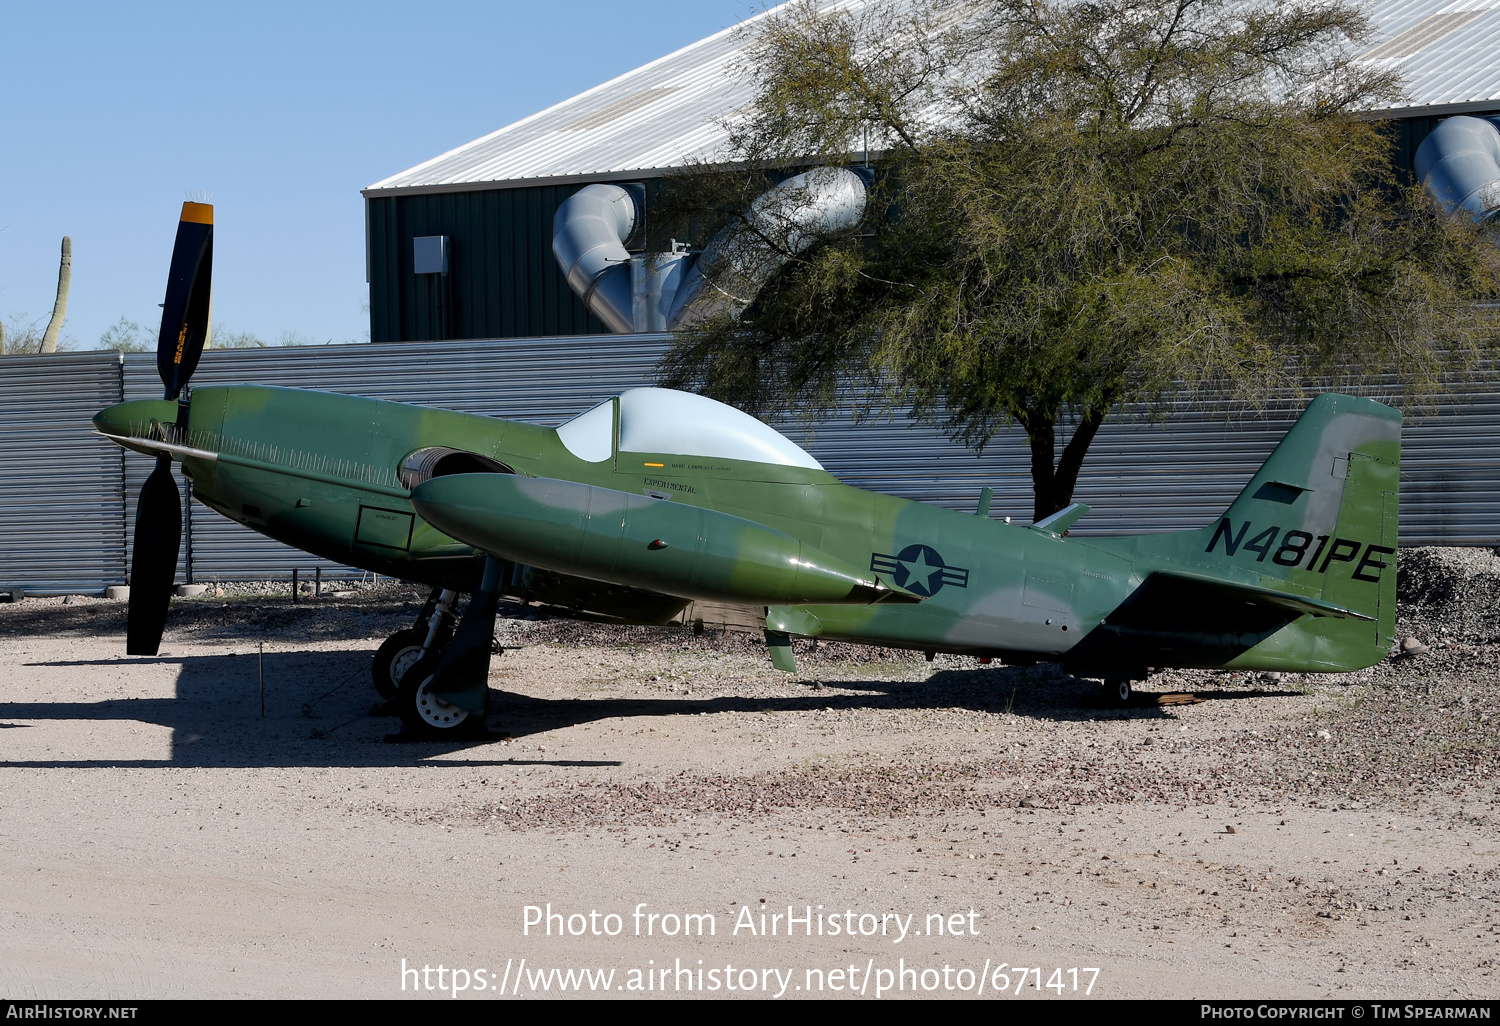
(1322, 514)
(1298, 574)
(1312, 472)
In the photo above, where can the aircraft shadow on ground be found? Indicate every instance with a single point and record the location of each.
(318, 710)
(234, 622)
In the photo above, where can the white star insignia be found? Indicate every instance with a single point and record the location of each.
(920, 568)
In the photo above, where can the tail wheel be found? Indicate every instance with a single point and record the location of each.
(1116, 691)
(426, 713)
(398, 654)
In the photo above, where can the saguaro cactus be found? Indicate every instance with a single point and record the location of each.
(60, 308)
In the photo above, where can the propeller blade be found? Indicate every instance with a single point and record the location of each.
(184, 315)
(153, 564)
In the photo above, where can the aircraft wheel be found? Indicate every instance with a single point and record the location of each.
(395, 656)
(1116, 691)
(424, 712)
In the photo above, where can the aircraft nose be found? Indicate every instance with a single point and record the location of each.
(133, 419)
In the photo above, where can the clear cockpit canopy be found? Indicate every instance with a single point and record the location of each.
(668, 422)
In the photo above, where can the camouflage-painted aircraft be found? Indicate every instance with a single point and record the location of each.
(657, 498)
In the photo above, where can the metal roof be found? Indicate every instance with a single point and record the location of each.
(656, 117)
(663, 115)
(1449, 52)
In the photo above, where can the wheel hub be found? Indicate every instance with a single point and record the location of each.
(403, 661)
(434, 711)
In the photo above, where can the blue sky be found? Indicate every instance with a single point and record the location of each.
(111, 114)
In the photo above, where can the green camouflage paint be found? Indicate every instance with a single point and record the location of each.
(1299, 573)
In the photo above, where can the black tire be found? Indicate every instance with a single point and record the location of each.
(1116, 691)
(427, 716)
(394, 657)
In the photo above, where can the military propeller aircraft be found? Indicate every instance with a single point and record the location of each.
(657, 498)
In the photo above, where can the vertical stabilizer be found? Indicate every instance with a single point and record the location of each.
(1321, 515)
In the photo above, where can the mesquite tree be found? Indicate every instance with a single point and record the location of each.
(1077, 205)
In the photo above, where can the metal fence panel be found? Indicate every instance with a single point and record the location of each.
(61, 502)
(1184, 469)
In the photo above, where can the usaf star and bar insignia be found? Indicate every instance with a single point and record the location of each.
(919, 569)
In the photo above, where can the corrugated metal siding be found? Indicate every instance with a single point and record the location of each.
(65, 519)
(503, 283)
(1184, 470)
(62, 509)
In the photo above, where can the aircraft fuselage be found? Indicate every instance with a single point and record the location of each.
(323, 472)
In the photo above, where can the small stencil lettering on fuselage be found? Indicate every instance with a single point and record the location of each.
(387, 528)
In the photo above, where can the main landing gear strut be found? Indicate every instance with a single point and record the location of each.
(402, 650)
(435, 676)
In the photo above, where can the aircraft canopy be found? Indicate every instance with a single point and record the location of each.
(663, 420)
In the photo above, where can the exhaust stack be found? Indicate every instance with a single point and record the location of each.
(588, 240)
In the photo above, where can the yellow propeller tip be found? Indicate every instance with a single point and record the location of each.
(198, 213)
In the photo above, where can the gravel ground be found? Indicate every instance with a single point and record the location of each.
(1226, 835)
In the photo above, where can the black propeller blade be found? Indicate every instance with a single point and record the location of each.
(184, 315)
(158, 513)
(153, 564)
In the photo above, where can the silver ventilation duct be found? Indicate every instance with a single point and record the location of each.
(670, 291)
(779, 225)
(588, 239)
(654, 281)
(1459, 162)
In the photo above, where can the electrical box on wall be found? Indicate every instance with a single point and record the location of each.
(430, 254)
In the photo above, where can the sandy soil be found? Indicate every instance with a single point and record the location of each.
(1299, 837)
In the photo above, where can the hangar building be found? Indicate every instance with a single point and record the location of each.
(485, 209)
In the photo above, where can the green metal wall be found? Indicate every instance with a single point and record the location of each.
(1408, 135)
(502, 283)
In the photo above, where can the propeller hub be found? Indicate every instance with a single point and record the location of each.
(134, 419)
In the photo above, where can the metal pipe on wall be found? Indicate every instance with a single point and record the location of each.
(588, 240)
(781, 224)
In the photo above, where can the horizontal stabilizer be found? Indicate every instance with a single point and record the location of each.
(1187, 619)
(1256, 595)
(1058, 523)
